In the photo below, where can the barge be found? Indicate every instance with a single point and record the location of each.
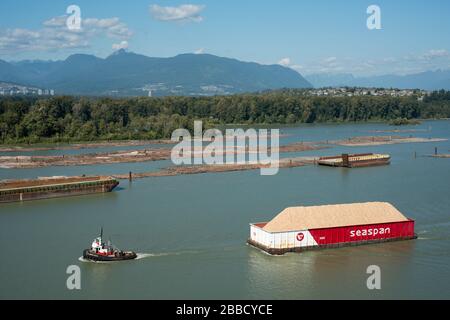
(44, 188)
(355, 160)
(298, 229)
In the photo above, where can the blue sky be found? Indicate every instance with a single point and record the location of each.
(309, 36)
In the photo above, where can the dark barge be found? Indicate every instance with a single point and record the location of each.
(355, 160)
(44, 188)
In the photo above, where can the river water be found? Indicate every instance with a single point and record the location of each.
(191, 230)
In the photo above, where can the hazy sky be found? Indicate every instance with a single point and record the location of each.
(308, 36)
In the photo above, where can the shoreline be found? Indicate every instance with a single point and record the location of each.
(201, 169)
(129, 156)
(365, 141)
(96, 144)
(441, 156)
(164, 153)
(76, 145)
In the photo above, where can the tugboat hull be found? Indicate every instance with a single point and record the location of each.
(119, 256)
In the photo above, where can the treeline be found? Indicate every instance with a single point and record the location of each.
(441, 95)
(58, 119)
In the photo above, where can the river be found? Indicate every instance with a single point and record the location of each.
(191, 230)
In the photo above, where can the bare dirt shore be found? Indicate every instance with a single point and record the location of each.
(18, 162)
(129, 156)
(199, 169)
(445, 155)
(381, 140)
(399, 131)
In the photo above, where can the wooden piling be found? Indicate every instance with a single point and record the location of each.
(345, 160)
(130, 176)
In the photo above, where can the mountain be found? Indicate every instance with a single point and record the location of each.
(130, 74)
(7, 72)
(429, 80)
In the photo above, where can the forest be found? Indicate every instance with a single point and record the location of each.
(68, 118)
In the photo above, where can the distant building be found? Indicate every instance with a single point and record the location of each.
(354, 92)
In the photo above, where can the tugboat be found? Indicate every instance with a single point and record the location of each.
(106, 252)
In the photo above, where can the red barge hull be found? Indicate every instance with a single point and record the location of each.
(337, 237)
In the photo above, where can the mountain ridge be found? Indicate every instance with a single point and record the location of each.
(131, 74)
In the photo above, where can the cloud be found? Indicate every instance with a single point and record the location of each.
(325, 65)
(432, 59)
(330, 60)
(389, 59)
(112, 27)
(429, 60)
(297, 67)
(121, 45)
(436, 53)
(334, 65)
(182, 13)
(54, 35)
(285, 62)
(200, 51)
